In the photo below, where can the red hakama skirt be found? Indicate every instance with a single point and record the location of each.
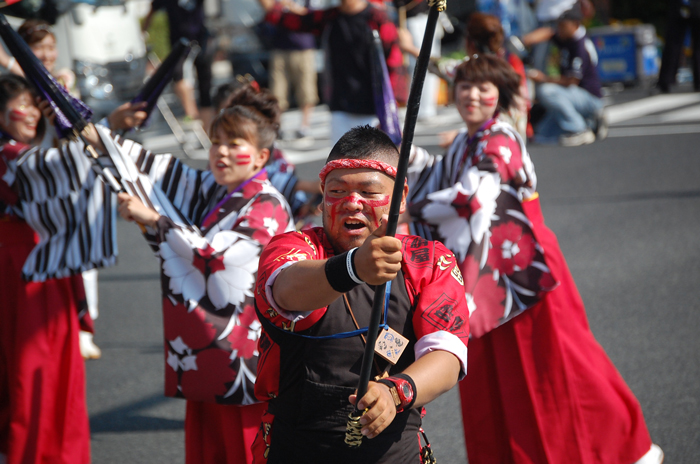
(221, 433)
(43, 412)
(540, 389)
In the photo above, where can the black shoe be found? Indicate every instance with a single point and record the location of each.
(659, 88)
(601, 125)
(302, 134)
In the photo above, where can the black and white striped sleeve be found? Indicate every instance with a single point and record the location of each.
(192, 191)
(72, 211)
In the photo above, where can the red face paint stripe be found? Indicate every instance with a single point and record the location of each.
(489, 101)
(367, 205)
(242, 159)
(377, 203)
(17, 115)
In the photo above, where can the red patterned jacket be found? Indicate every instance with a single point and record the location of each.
(472, 200)
(433, 282)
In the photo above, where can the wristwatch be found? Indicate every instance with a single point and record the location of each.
(401, 391)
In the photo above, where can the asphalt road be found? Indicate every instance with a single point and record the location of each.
(627, 214)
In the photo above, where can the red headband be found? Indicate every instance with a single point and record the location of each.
(387, 169)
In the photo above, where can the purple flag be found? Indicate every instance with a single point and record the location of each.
(384, 100)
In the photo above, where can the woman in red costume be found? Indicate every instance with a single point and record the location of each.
(43, 413)
(539, 388)
(208, 279)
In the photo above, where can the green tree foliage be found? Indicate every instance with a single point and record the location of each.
(159, 35)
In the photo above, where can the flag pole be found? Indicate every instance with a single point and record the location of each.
(353, 437)
(156, 83)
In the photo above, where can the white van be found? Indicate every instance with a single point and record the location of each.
(102, 43)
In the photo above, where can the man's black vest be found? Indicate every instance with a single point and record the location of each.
(317, 376)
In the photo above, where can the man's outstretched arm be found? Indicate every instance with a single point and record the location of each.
(434, 374)
(304, 286)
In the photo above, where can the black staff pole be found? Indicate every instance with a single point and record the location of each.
(353, 438)
(154, 86)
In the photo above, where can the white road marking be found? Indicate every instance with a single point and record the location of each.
(640, 131)
(682, 115)
(158, 143)
(646, 106)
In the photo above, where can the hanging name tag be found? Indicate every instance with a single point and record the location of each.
(390, 345)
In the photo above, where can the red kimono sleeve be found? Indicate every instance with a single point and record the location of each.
(283, 251)
(441, 315)
(504, 152)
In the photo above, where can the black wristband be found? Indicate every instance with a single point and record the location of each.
(337, 274)
(386, 381)
(408, 379)
(391, 383)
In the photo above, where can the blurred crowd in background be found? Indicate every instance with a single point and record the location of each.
(111, 45)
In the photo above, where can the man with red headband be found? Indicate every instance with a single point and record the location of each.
(314, 295)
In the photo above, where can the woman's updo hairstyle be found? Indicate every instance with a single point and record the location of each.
(252, 114)
(34, 30)
(489, 68)
(11, 87)
(485, 32)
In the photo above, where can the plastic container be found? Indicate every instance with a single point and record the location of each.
(626, 54)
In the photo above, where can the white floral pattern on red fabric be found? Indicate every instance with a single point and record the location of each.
(511, 248)
(473, 204)
(463, 213)
(224, 270)
(235, 281)
(244, 336)
(177, 255)
(211, 329)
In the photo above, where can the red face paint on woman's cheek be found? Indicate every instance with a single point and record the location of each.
(242, 159)
(489, 101)
(18, 115)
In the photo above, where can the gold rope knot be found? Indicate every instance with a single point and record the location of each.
(441, 4)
